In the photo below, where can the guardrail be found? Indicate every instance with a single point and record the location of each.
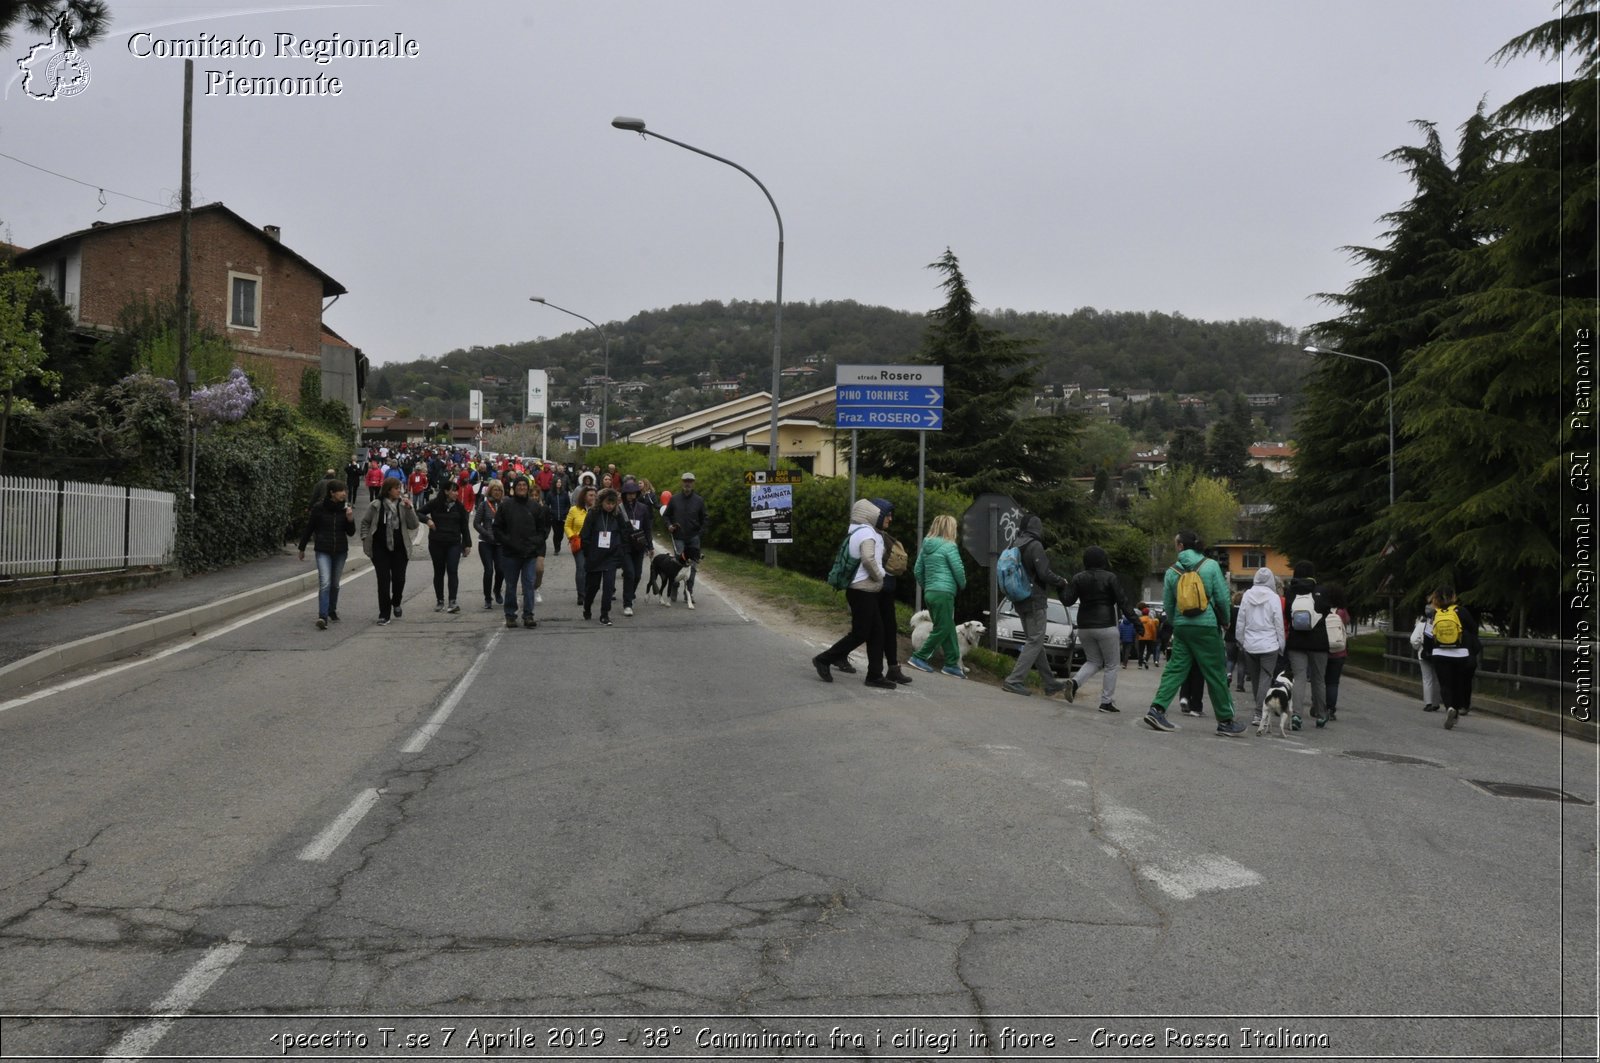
(53, 528)
(1549, 671)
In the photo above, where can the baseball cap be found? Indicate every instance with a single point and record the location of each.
(688, 476)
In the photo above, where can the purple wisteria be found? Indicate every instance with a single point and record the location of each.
(224, 403)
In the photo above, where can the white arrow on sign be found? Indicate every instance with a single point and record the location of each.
(934, 398)
(933, 418)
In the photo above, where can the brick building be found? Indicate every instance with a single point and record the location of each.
(247, 286)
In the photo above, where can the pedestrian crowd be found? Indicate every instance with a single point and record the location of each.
(1204, 638)
(518, 510)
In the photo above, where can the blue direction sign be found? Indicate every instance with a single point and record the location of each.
(890, 396)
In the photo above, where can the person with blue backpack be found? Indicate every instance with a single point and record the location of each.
(1027, 579)
(1195, 595)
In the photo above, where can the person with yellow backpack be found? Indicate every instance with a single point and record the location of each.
(1195, 596)
(1450, 640)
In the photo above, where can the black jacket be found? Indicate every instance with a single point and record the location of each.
(522, 527)
(1316, 639)
(1036, 563)
(1100, 597)
(645, 514)
(451, 522)
(596, 522)
(330, 527)
(689, 513)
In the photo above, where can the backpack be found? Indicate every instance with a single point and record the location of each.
(1014, 581)
(1336, 633)
(1447, 627)
(1303, 612)
(1191, 594)
(843, 572)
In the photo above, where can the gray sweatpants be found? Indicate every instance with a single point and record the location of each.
(1035, 625)
(1311, 666)
(1101, 654)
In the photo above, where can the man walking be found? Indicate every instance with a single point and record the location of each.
(686, 521)
(1199, 610)
(1305, 615)
(520, 527)
(1034, 611)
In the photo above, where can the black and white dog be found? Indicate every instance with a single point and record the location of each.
(669, 576)
(1279, 703)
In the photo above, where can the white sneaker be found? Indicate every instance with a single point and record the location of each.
(627, 611)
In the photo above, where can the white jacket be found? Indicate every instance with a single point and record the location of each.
(1259, 628)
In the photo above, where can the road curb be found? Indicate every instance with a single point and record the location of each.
(130, 640)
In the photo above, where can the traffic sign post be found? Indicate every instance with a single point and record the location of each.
(589, 430)
(987, 528)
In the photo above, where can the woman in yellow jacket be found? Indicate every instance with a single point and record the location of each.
(582, 499)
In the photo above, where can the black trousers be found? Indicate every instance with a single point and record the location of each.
(446, 566)
(889, 625)
(866, 626)
(493, 578)
(1455, 680)
(597, 574)
(390, 567)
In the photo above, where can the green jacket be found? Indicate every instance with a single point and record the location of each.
(1218, 603)
(939, 569)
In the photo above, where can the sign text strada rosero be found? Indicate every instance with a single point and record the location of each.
(907, 397)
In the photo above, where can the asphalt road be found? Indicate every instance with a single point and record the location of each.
(670, 835)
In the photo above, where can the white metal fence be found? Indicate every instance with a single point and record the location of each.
(57, 527)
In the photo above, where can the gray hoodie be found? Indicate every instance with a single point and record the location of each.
(1260, 625)
(866, 543)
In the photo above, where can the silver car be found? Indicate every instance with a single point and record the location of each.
(1061, 632)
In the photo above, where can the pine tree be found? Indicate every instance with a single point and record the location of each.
(990, 440)
(1480, 400)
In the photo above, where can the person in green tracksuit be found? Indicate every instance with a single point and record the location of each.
(941, 575)
(1196, 639)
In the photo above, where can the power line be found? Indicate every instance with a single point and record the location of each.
(87, 184)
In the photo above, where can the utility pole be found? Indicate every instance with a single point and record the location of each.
(185, 296)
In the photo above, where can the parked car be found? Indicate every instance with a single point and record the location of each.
(1061, 643)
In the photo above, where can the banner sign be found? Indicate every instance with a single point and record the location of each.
(772, 513)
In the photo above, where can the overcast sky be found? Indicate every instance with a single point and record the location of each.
(1205, 157)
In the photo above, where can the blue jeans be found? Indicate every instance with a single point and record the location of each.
(519, 572)
(329, 568)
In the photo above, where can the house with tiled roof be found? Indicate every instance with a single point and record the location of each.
(247, 285)
(806, 432)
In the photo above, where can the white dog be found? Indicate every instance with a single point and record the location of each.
(1279, 703)
(968, 634)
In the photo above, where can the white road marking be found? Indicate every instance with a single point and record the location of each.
(436, 721)
(94, 677)
(138, 1042)
(1183, 875)
(323, 845)
(727, 601)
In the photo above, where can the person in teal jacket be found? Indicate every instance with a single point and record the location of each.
(941, 575)
(1196, 638)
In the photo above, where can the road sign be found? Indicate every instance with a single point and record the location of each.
(906, 397)
(782, 476)
(989, 525)
(589, 429)
(772, 513)
(475, 405)
(538, 394)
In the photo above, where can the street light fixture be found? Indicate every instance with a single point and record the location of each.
(636, 125)
(605, 385)
(1314, 350)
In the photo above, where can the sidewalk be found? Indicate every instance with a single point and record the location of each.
(52, 639)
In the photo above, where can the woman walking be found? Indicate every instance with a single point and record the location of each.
(1101, 603)
(488, 551)
(941, 575)
(866, 622)
(604, 537)
(1451, 643)
(1336, 657)
(1261, 636)
(449, 536)
(386, 530)
(329, 525)
(582, 500)
(894, 566)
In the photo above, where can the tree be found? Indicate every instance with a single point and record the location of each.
(1103, 445)
(22, 354)
(1228, 442)
(1479, 400)
(990, 441)
(1184, 498)
(86, 20)
(1333, 509)
(1188, 448)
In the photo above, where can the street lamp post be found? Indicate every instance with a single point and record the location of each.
(1340, 354)
(605, 384)
(636, 125)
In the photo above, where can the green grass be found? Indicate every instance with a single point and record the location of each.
(1366, 651)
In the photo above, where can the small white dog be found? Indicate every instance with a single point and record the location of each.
(968, 634)
(1279, 703)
